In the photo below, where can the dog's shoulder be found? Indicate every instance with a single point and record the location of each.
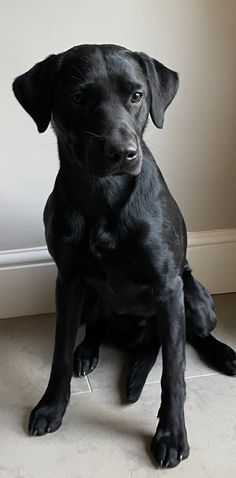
(64, 225)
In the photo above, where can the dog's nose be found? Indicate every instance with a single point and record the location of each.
(118, 152)
(131, 152)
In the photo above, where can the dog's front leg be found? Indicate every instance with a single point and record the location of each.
(169, 444)
(47, 415)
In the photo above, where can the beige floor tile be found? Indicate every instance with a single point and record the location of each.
(101, 436)
(26, 346)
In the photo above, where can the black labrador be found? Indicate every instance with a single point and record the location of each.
(116, 234)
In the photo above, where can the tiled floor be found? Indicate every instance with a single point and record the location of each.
(101, 436)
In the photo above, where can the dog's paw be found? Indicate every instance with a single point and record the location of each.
(226, 359)
(134, 393)
(85, 359)
(169, 448)
(135, 383)
(46, 418)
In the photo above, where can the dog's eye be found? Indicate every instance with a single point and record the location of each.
(136, 97)
(77, 98)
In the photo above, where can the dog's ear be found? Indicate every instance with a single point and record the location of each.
(163, 85)
(34, 91)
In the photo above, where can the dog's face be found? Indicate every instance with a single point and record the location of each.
(98, 98)
(101, 105)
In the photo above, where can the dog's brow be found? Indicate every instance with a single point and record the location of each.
(129, 85)
(76, 73)
(135, 86)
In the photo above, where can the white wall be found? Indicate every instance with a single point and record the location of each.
(196, 150)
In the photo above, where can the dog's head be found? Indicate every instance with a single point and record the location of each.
(98, 98)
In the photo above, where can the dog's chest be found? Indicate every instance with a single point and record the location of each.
(117, 251)
(115, 269)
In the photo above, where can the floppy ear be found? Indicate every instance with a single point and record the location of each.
(34, 91)
(163, 85)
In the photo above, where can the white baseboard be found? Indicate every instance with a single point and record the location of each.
(27, 276)
(27, 282)
(212, 256)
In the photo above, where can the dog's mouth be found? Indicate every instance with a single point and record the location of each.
(96, 166)
(133, 168)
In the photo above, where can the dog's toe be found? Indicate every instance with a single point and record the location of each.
(85, 360)
(169, 449)
(83, 367)
(45, 419)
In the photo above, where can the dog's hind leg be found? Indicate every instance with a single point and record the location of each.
(200, 320)
(216, 353)
(199, 306)
(142, 362)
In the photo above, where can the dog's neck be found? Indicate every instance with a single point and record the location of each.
(94, 196)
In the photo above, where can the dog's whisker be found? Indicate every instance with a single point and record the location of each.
(72, 77)
(93, 134)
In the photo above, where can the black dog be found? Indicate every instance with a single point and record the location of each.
(116, 234)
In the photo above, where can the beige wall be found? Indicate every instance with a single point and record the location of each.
(196, 149)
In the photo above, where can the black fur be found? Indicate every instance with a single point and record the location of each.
(116, 234)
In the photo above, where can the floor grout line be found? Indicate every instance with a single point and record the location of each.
(89, 384)
(187, 378)
(80, 393)
(204, 375)
(191, 377)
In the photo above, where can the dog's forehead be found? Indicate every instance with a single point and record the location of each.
(95, 61)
